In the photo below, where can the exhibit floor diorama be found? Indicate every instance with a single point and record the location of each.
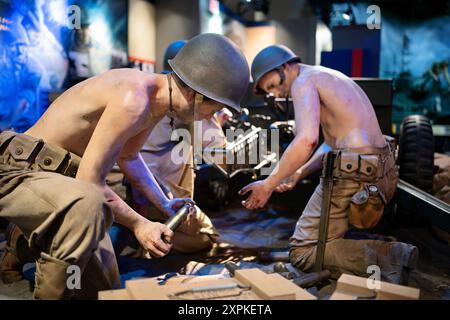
(312, 137)
(256, 242)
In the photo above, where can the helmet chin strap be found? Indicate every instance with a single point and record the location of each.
(287, 108)
(282, 80)
(198, 100)
(171, 113)
(282, 75)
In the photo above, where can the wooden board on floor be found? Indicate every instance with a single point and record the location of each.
(248, 284)
(342, 296)
(272, 286)
(145, 289)
(352, 287)
(149, 289)
(193, 279)
(120, 294)
(390, 291)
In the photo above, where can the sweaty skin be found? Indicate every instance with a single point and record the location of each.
(321, 97)
(106, 119)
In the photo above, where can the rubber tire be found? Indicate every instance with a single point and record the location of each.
(416, 152)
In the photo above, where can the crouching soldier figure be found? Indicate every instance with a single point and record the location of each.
(53, 177)
(365, 174)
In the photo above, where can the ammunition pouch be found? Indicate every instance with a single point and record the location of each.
(366, 207)
(375, 170)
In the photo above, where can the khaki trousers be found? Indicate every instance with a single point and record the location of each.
(65, 220)
(343, 255)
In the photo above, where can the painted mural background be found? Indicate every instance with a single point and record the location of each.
(41, 52)
(415, 54)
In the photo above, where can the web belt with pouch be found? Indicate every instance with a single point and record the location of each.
(367, 166)
(23, 152)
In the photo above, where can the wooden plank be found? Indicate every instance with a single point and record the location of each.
(271, 286)
(120, 294)
(390, 291)
(262, 286)
(145, 289)
(300, 293)
(210, 294)
(149, 289)
(354, 286)
(193, 279)
(341, 296)
(351, 285)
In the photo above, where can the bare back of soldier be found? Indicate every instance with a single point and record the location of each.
(348, 119)
(71, 120)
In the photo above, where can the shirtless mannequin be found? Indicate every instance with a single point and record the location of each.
(104, 120)
(347, 119)
(107, 119)
(175, 178)
(327, 98)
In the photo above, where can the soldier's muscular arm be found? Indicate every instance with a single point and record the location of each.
(313, 164)
(121, 120)
(307, 118)
(133, 166)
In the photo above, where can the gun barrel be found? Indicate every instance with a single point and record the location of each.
(175, 221)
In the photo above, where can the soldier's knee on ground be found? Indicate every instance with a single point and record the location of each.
(301, 257)
(396, 260)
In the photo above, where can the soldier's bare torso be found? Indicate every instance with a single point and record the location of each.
(347, 117)
(72, 118)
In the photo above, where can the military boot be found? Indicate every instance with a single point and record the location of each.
(396, 260)
(16, 254)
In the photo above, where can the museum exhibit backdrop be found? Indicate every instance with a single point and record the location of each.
(416, 55)
(41, 53)
(413, 49)
(46, 46)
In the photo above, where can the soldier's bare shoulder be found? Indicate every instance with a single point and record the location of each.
(319, 73)
(309, 75)
(120, 86)
(126, 77)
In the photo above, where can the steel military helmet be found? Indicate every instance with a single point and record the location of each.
(171, 52)
(268, 59)
(213, 66)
